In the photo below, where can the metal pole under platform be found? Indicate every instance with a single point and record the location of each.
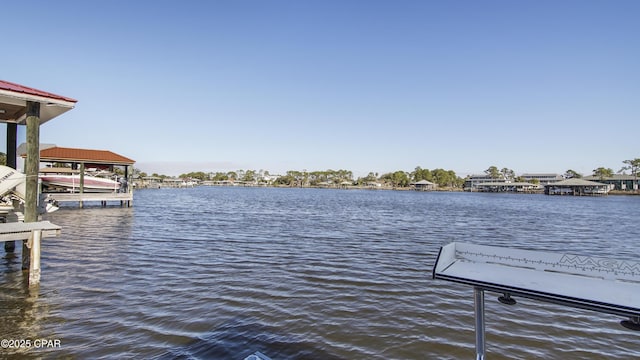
(478, 294)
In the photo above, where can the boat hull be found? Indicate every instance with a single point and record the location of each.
(71, 183)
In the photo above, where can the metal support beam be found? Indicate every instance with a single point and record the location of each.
(478, 294)
(12, 140)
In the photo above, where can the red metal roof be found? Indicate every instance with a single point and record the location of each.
(83, 155)
(9, 86)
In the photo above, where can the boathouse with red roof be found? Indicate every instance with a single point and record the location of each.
(91, 158)
(75, 160)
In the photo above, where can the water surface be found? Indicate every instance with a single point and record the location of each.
(221, 272)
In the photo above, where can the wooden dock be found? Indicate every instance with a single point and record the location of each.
(31, 234)
(125, 199)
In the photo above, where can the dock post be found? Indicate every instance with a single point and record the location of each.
(9, 246)
(479, 313)
(81, 183)
(31, 171)
(34, 266)
(12, 135)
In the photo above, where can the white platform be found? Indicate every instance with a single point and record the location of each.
(605, 285)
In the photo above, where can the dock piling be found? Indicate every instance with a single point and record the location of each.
(31, 235)
(34, 265)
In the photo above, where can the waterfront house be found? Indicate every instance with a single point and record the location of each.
(326, 184)
(346, 184)
(171, 182)
(219, 183)
(373, 185)
(148, 182)
(620, 182)
(472, 181)
(543, 179)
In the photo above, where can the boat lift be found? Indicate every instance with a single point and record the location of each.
(586, 282)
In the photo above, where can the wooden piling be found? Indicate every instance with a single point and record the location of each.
(34, 265)
(81, 182)
(31, 234)
(32, 164)
(32, 161)
(10, 246)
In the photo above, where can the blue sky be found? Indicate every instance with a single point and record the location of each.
(367, 86)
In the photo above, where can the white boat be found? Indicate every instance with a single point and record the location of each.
(71, 183)
(13, 187)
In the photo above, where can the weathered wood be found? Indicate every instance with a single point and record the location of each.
(129, 177)
(22, 231)
(82, 177)
(34, 264)
(31, 235)
(76, 197)
(81, 182)
(32, 164)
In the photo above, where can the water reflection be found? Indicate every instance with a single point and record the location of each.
(22, 311)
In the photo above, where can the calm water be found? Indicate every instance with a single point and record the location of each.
(218, 273)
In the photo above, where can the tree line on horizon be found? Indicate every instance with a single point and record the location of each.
(295, 178)
(441, 177)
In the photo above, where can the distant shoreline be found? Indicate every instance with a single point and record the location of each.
(387, 188)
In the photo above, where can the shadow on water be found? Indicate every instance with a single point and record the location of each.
(241, 338)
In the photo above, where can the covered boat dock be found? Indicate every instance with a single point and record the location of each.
(29, 107)
(517, 187)
(423, 185)
(79, 161)
(577, 187)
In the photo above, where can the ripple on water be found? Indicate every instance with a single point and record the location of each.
(218, 273)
